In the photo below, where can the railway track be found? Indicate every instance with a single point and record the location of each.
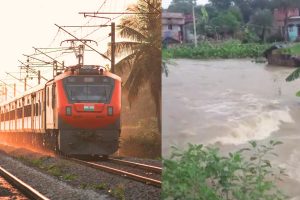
(139, 172)
(151, 168)
(24, 188)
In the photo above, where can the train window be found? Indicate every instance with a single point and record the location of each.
(89, 79)
(12, 115)
(36, 109)
(27, 111)
(19, 113)
(89, 89)
(53, 96)
(98, 93)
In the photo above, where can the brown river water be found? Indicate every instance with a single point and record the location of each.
(230, 102)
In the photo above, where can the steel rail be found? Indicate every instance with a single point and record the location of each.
(24, 188)
(138, 165)
(127, 174)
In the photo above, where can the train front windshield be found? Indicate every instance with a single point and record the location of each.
(89, 89)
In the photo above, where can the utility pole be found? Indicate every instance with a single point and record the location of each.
(15, 90)
(194, 23)
(39, 77)
(25, 84)
(19, 79)
(5, 92)
(30, 70)
(113, 47)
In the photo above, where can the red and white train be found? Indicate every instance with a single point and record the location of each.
(76, 113)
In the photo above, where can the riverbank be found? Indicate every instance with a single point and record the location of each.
(207, 50)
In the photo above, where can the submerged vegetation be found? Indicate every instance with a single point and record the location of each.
(228, 49)
(293, 50)
(203, 173)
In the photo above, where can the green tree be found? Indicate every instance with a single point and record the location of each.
(261, 22)
(202, 22)
(182, 6)
(226, 23)
(141, 50)
(221, 4)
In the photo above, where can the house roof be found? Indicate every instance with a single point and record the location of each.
(295, 17)
(173, 15)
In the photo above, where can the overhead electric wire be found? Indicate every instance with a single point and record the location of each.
(53, 40)
(104, 2)
(100, 27)
(84, 43)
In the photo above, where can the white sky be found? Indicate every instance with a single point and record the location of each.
(29, 23)
(166, 3)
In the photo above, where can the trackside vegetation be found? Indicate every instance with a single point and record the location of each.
(202, 173)
(209, 50)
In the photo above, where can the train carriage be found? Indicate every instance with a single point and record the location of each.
(76, 113)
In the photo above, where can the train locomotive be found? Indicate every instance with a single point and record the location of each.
(75, 113)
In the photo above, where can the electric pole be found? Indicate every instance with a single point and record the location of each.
(194, 23)
(113, 47)
(39, 77)
(25, 84)
(15, 90)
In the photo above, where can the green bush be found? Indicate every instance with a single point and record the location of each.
(202, 173)
(228, 49)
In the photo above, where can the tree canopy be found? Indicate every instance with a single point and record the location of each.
(231, 17)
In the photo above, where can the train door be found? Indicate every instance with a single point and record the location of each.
(54, 107)
(0, 118)
(43, 107)
(22, 106)
(32, 113)
(15, 115)
(49, 108)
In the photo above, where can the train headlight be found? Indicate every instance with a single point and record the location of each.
(110, 111)
(68, 110)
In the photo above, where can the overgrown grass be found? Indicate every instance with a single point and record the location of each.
(56, 170)
(228, 49)
(145, 144)
(118, 192)
(293, 50)
(203, 173)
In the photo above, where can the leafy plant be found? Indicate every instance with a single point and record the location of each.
(203, 173)
(140, 51)
(228, 49)
(118, 192)
(293, 76)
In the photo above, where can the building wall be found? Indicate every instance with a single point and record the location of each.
(280, 14)
(172, 26)
(174, 33)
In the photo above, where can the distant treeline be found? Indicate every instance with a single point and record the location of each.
(246, 20)
(228, 49)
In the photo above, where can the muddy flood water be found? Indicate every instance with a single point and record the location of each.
(230, 102)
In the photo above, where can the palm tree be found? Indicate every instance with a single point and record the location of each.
(141, 50)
